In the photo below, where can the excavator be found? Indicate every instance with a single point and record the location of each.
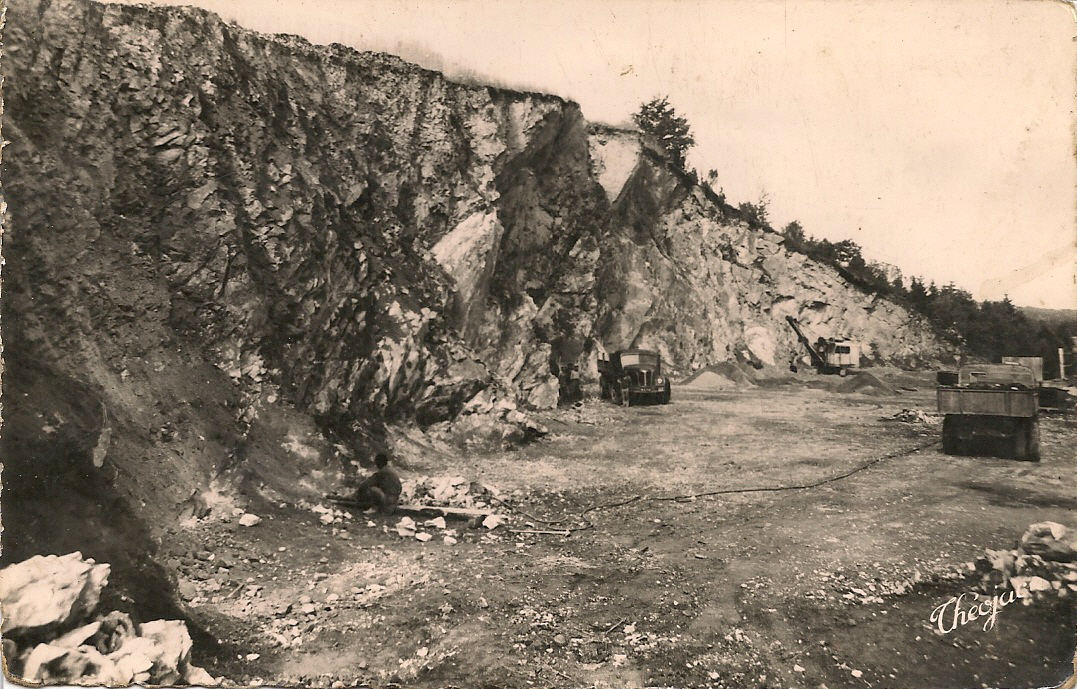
(829, 355)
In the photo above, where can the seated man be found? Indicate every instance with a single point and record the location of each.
(381, 489)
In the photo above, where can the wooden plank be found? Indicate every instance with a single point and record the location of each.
(462, 513)
(447, 512)
(541, 532)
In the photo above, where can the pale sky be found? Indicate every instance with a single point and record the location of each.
(938, 134)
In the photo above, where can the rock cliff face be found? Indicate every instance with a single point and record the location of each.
(209, 227)
(681, 273)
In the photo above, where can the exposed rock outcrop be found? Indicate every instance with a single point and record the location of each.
(325, 220)
(215, 236)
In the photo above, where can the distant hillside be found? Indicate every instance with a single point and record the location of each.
(1051, 316)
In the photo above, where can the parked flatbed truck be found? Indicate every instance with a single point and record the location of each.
(995, 404)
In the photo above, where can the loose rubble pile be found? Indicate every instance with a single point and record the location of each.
(54, 635)
(1044, 563)
(290, 622)
(424, 531)
(449, 491)
(859, 592)
(913, 416)
(328, 515)
(409, 528)
(589, 412)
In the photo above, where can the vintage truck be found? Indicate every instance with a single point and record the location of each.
(994, 405)
(630, 376)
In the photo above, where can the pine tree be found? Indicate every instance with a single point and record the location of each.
(660, 120)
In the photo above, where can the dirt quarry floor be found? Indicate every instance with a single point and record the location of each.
(830, 586)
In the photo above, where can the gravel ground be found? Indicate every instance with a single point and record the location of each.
(831, 585)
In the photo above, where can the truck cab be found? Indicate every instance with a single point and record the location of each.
(629, 376)
(841, 355)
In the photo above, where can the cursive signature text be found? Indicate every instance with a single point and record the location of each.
(960, 610)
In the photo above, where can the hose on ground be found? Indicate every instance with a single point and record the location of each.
(587, 524)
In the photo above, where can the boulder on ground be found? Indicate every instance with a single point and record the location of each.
(545, 394)
(49, 664)
(510, 429)
(50, 592)
(1051, 541)
(134, 660)
(45, 597)
(172, 649)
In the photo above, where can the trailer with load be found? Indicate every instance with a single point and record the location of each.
(991, 404)
(629, 376)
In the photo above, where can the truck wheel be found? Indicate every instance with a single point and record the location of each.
(1033, 442)
(615, 395)
(951, 444)
(627, 395)
(1019, 441)
(843, 372)
(665, 395)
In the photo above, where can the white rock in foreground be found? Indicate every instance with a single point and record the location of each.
(54, 598)
(50, 590)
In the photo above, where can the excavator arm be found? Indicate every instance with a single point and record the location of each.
(816, 358)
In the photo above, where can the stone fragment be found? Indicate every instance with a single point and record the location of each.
(249, 519)
(77, 637)
(136, 658)
(186, 588)
(1051, 541)
(437, 523)
(50, 591)
(1036, 584)
(406, 527)
(172, 643)
(197, 677)
(50, 664)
